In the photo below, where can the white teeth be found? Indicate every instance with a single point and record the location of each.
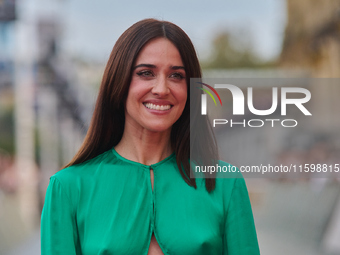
(157, 107)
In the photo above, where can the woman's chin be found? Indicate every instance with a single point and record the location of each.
(158, 127)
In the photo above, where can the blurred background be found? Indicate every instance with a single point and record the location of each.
(52, 57)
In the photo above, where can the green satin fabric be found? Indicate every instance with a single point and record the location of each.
(107, 206)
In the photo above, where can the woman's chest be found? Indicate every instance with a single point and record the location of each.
(122, 219)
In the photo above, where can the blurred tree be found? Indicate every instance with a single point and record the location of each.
(7, 130)
(230, 51)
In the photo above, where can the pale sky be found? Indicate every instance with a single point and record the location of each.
(90, 28)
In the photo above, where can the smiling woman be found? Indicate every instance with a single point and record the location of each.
(129, 189)
(158, 89)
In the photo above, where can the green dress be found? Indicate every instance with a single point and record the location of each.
(106, 205)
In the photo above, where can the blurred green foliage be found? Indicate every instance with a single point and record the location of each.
(7, 129)
(230, 51)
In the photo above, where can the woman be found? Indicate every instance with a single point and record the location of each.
(129, 190)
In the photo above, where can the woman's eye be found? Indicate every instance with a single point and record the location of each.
(177, 76)
(145, 74)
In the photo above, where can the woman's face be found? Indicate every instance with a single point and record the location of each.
(158, 89)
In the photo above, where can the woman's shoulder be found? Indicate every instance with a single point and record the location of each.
(219, 169)
(225, 170)
(85, 169)
(229, 178)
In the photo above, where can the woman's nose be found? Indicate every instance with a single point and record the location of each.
(161, 87)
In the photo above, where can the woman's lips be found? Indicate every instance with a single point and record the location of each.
(158, 107)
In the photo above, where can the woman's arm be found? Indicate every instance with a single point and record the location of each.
(58, 224)
(240, 234)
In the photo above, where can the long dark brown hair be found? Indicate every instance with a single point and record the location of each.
(107, 124)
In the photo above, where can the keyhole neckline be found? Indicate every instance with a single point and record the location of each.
(153, 166)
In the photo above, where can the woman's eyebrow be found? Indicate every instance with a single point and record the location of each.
(153, 66)
(144, 65)
(177, 67)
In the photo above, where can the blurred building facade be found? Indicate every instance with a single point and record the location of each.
(46, 99)
(312, 37)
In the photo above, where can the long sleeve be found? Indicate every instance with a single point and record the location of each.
(58, 226)
(240, 234)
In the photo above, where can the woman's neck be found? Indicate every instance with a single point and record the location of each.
(144, 146)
